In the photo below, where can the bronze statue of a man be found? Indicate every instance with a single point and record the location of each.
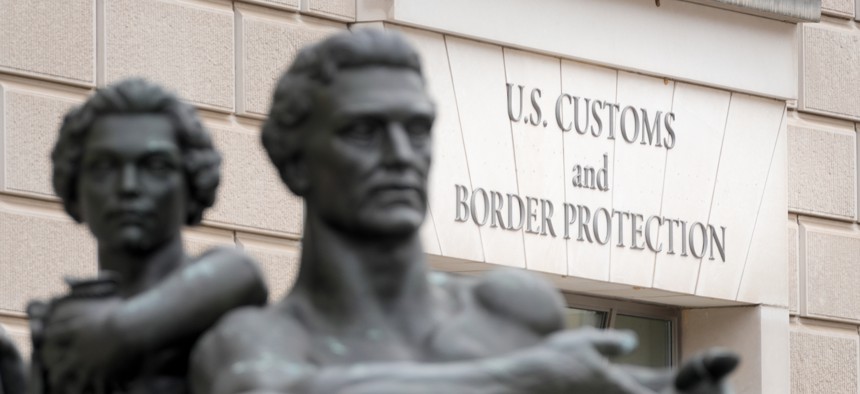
(12, 374)
(350, 131)
(135, 164)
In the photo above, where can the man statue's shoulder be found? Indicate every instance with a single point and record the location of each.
(254, 328)
(240, 349)
(522, 297)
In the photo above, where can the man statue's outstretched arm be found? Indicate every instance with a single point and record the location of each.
(235, 358)
(96, 336)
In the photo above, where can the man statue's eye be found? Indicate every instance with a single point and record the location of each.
(100, 166)
(158, 165)
(418, 130)
(364, 131)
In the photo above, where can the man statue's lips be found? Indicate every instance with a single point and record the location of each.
(128, 216)
(397, 193)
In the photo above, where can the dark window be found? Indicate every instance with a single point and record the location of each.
(656, 326)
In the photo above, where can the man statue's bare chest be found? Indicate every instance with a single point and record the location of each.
(457, 331)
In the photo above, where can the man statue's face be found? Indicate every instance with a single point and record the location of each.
(368, 151)
(132, 190)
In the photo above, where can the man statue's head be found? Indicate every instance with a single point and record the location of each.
(135, 164)
(349, 130)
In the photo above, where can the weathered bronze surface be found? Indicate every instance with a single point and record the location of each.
(350, 132)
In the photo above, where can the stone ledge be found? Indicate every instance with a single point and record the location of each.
(342, 10)
(838, 8)
(786, 10)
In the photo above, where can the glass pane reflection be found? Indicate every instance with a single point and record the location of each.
(577, 318)
(655, 341)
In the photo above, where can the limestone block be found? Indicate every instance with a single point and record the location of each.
(30, 128)
(251, 194)
(51, 39)
(456, 239)
(268, 46)
(764, 279)
(538, 150)
(39, 249)
(830, 270)
(187, 48)
(337, 9)
(691, 165)
(478, 73)
(639, 173)
(277, 258)
(822, 167)
(751, 149)
(793, 284)
(830, 76)
(843, 8)
(587, 260)
(823, 362)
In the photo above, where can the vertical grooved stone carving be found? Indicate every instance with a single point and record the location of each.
(31, 128)
(823, 364)
(189, 49)
(50, 38)
(831, 78)
(36, 253)
(822, 171)
(832, 275)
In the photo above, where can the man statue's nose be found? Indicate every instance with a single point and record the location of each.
(398, 148)
(129, 183)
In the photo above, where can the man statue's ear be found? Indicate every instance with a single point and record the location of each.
(295, 174)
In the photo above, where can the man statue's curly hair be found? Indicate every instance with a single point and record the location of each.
(201, 162)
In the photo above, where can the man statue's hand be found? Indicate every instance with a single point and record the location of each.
(706, 373)
(82, 347)
(579, 363)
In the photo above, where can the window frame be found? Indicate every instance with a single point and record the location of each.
(612, 307)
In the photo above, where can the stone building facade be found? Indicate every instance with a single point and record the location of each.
(762, 100)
